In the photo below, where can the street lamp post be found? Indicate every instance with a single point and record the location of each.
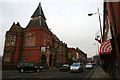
(97, 46)
(97, 55)
(90, 14)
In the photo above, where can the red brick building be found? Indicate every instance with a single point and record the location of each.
(82, 57)
(13, 49)
(35, 44)
(76, 55)
(89, 60)
(111, 30)
(71, 55)
(60, 50)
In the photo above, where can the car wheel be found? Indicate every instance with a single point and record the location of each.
(21, 70)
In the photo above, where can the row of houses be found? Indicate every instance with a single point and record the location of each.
(37, 44)
(95, 58)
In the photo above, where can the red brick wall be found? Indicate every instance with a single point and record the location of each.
(114, 20)
(39, 31)
(35, 50)
(15, 51)
(69, 60)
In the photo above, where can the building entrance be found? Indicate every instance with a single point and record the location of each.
(50, 60)
(43, 59)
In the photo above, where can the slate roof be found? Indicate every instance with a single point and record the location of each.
(38, 18)
(55, 37)
(38, 12)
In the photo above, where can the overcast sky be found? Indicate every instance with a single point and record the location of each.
(68, 19)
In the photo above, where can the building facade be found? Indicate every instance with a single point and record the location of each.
(76, 55)
(60, 50)
(35, 43)
(111, 31)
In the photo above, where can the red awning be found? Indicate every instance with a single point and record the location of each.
(105, 47)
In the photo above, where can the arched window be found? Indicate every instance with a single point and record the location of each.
(48, 38)
(7, 56)
(33, 39)
(44, 40)
(30, 39)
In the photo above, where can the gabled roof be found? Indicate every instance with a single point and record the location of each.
(16, 27)
(38, 18)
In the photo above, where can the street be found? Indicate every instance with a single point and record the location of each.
(0, 70)
(45, 74)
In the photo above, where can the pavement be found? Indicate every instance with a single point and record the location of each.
(99, 73)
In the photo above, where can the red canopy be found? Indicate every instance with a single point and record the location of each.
(105, 47)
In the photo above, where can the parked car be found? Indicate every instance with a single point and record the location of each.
(89, 66)
(76, 67)
(25, 66)
(64, 67)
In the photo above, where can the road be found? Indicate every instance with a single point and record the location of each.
(13, 74)
(0, 70)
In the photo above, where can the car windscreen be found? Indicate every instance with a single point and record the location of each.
(75, 64)
(65, 65)
(89, 63)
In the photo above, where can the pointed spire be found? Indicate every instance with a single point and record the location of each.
(38, 12)
(38, 18)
